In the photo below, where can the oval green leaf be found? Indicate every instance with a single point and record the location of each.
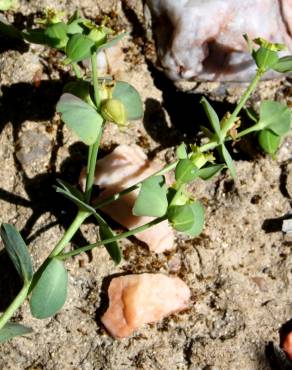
(199, 219)
(17, 251)
(275, 117)
(50, 291)
(181, 217)
(265, 58)
(269, 141)
(81, 117)
(181, 151)
(11, 330)
(185, 171)
(152, 198)
(212, 116)
(228, 160)
(207, 173)
(130, 98)
(79, 47)
(56, 35)
(284, 64)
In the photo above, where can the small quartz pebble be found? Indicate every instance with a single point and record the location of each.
(135, 300)
(123, 167)
(287, 346)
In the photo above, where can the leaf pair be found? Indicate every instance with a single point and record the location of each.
(83, 119)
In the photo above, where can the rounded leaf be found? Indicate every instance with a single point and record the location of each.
(130, 98)
(181, 217)
(79, 47)
(50, 291)
(269, 141)
(81, 117)
(185, 171)
(152, 198)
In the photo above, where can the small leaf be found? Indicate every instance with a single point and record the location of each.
(181, 151)
(130, 98)
(185, 171)
(265, 58)
(152, 198)
(199, 219)
(181, 217)
(105, 233)
(57, 35)
(17, 251)
(284, 64)
(50, 291)
(11, 330)
(228, 160)
(251, 114)
(112, 42)
(81, 117)
(188, 218)
(212, 116)
(269, 141)
(79, 47)
(275, 117)
(72, 189)
(75, 26)
(76, 200)
(207, 173)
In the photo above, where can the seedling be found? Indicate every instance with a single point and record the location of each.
(86, 106)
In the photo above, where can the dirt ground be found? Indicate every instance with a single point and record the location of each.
(239, 269)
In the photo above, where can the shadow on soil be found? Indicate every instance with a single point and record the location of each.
(18, 103)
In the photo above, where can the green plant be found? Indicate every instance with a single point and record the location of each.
(86, 106)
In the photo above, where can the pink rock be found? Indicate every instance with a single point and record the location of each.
(123, 167)
(135, 300)
(202, 39)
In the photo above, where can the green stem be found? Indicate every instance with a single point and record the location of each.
(247, 131)
(15, 304)
(92, 157)
(95, 78)
(93, 150)
(114, 239)
(76, 70)
(77, 222)
(117, 196)
(230, 121)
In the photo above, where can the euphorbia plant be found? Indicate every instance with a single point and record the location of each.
(86, 106)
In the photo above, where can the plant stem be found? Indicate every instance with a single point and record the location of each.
(76, 70)
(15, 304)
(95, 79)
(77, 222)
(93, 150)
(114, 239)
(230, 121)
(91, 163)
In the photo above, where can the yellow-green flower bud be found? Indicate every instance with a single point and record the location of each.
(114, 111)
(199, 159)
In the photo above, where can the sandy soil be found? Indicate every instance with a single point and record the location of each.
(239, 269)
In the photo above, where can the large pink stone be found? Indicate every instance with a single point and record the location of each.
(202, 39)
(123, 167)
(135, 300)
